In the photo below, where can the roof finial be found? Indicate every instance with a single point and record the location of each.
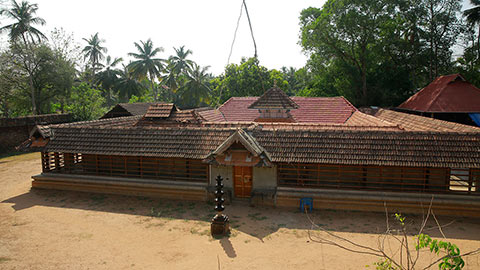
(275, 83)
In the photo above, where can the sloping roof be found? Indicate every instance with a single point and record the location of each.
(359, 118)
(322, 109)
(127, 121)
(284, 144)
(274, 98)
(245, 139)
(176, 117)
(450, 93)
(372, 148)
(310, 110)
(413, 122)
(42, 130)
(160, 110)
(213, 115)
(187, 142)
(136, 108)
(127, 109)
(337, 127)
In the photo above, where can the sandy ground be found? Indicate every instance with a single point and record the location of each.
(46, 229)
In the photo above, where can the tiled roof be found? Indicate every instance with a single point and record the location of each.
(175, 118)
(42, 130)
(213, 115)
(282, 144)
(359, 118)
(187, 142)
(322, 109)
(310, 110)
(372, 148)
(136, 108)
(245, 139)
(127, 109)
(419, 123)
(450, 93)
(160, 110)
(314, 126)
(127, 121)
(274, 98)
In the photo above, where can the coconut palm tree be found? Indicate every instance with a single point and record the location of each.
(108, 78)
(180, 61)
(473, 18)
(127, 85)
(24, 18)
(146, 64)
(23, 29)
(169, 78)
(177, 68)
(195, 91)
(94, 51)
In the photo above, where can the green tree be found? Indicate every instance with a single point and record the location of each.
(469, 63)
(247, 79)
(180, 62)
(170, 78)
(473, 18)
(86, 103)
(177, 69)
(45, 74)
(127, 86)
(146, 64)
(441, 27)
(346, 30)
(94, 51)
(63, 43)
(378, 52)
(195, 92)
(23, 27)
(9, 81)
(108, 78)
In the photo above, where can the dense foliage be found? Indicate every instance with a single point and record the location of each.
(378, 52)
(372, 52)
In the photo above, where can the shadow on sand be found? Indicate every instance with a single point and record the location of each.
(259, 222)
(228, 247)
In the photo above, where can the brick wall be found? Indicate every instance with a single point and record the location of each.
(14, 131)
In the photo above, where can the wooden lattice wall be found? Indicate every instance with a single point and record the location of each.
(126, 166)
(388, 178)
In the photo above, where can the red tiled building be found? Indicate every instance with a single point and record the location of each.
(448, 97)
(274, 150)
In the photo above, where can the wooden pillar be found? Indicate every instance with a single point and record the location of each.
(45, 162)
(140, 166)
(68, 161)
(57, 161)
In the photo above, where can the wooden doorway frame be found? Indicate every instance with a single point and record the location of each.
(243, 182)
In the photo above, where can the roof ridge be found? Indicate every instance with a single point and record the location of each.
(348, 102)
(274, 98)
(405, 121)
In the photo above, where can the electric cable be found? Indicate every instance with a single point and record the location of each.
(235, 33)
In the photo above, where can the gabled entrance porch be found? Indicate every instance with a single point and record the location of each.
(244, 165)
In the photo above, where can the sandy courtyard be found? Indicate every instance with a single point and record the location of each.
(46, 229)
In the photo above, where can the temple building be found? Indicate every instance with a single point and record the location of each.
(273, 150)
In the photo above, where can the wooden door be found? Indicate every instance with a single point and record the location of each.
(242, 181)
